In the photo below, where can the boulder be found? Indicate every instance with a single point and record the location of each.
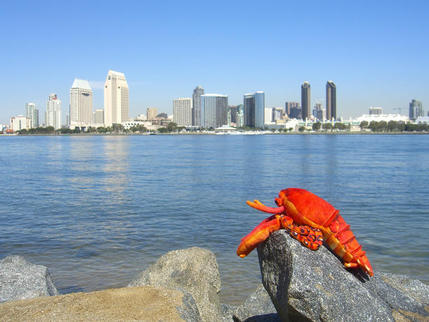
(314, 285)
(145, 303)
(193, 270)
(20, 279)
(258, 307)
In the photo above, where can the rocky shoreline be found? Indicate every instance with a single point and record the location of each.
(184, 285)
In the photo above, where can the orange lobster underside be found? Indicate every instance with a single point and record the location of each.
(304, 214)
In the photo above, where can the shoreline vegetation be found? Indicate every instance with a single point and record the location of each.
(382, 127)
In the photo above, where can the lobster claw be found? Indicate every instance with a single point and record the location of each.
(259, 234)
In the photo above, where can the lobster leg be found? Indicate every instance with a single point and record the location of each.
(308, 236)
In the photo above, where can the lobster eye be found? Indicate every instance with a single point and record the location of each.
(278, 201)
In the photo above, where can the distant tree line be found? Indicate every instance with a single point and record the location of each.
(394, 126)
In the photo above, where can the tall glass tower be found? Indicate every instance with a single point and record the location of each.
(254, 108)
(214, 110)
(416, 109)
(196, 105)
(32, 113)
(306, 100)
(53, 112)
(331, 100)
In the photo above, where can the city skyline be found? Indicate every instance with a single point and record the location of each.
(367, 53)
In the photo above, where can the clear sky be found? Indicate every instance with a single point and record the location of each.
(377, 52)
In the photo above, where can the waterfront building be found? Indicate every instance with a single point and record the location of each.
(151, 113)
(291, 105)
(268, 115)
(240, 116)
(141, 117)
(254, 109)
(306, 100)
(319, 112)
(53, 112)
(375, 110)
(20, 122)
(116, 100)
(416, 109)
(182, 111)
(32, 113)
(381, 117)
(80, 104)
(98, 117)
(419, 120)
(293, 110)
(196, 104)
(278, 114)
(331, 100)
(134, 123)
(232, 110)
(214, 110)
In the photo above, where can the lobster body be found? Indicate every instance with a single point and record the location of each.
(302, 207)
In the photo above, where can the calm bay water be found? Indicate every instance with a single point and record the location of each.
(98, 210)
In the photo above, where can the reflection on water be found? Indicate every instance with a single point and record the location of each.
(98, 210)
(116, 164)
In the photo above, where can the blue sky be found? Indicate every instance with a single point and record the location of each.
(377, 52)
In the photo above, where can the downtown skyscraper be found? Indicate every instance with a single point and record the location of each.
(331, 100)
(214, 110)
(306, 100)
(116, 100)
(80, 104)
(32, 113)
(196, 105)
(416, 109)
(53, 112)
(254, 108)
(182, 111)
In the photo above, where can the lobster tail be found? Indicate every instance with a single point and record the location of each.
(343, 243)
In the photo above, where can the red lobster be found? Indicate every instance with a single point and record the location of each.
(316, 221)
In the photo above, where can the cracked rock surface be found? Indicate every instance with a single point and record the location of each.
(314, 286)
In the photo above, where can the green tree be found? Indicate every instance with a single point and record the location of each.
(327, 126)
(317, 126)
(172, 127)
(363, 125)
(117, 128)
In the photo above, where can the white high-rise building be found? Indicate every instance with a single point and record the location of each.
(32, 113)
(98, 117)
(116, 101)
(182, 111)
(268, 115)
(80, 104)
(53, 112)
(214, 110)
(20, 122)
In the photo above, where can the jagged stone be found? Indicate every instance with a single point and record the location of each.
(258, 307)
(315, 286)
(145, 303)
(20, 279)
(194, 270)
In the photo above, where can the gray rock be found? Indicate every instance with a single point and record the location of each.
(193, 270)
(20, 280)
(314, 285)
(406, 298)
(189, 309)
(412, 288)
(257, 307)
(227, 312)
